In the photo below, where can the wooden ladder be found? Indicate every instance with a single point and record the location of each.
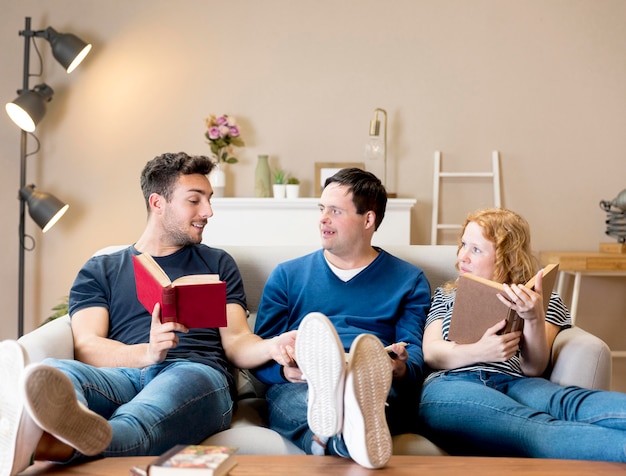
(438, 175)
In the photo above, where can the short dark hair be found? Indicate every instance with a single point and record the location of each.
(368, 192)
(161, 173)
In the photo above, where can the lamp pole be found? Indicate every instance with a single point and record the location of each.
(26, 111)
(23, 146)
(22, 232)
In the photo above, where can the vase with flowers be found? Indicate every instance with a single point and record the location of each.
(222, 134)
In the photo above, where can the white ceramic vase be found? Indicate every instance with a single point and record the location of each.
(217, 177)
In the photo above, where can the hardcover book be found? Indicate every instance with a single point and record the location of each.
(196, 301)
(477, 307)
(201, 460)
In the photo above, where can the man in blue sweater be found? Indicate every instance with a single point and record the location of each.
(355, 297)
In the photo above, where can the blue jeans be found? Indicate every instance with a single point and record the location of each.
(487, 413)
(154, 408)
(287, 407)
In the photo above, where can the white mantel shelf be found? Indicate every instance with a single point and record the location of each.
(271, 221)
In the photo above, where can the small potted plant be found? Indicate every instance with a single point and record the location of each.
(293, 187)
(279, 185)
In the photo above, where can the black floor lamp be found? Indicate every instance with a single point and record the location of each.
(26, 111)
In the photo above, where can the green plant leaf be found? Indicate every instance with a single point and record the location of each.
(237, 141)
(60, 310)
(279, 177)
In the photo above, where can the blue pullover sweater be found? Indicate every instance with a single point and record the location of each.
(390, 299)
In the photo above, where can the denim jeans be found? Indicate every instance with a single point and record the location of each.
(494, 414)
(287, 407)
(154, 408)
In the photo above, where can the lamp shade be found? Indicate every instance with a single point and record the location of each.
(67, 49)
(45, 209)
(29, 108)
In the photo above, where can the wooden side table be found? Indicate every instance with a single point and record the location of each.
(583, 263)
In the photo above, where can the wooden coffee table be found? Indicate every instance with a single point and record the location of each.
(336, 466)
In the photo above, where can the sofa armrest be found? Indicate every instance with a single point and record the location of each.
(582, 359)
(53, 339)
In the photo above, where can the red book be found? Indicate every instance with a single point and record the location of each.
(196, 301)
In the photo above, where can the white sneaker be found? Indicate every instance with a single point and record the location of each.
(50, 400)
(19, 435)
(368, 381)
(321, 358)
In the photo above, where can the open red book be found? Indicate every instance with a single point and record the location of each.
(196, 301)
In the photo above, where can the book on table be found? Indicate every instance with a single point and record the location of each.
(196, 301)
(188, 460)
(477, 307)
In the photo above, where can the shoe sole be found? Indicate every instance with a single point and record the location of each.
(368, 382)
(19, 435)
(321, 358)
(51, 401)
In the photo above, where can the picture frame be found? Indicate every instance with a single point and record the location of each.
(323, 170)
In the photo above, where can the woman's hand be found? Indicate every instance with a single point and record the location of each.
(441, 354)
(528, 303)
(497, 348)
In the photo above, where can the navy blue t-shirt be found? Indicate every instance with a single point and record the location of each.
(109, 281)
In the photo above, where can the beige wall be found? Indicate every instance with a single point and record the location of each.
(542, 81)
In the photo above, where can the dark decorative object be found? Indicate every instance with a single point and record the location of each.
(616, 216)
(26, 111)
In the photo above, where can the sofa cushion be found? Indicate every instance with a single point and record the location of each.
(254, 440)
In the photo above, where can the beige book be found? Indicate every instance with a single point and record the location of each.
(477, 307)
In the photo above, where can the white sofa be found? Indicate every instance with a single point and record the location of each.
(578, 358)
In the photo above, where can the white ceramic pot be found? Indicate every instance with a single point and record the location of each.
(292, 190)
(279, 190)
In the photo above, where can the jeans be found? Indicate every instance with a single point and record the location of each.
(154, 408)
(287, 407)
(484, 413)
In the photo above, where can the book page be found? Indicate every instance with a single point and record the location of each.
(197, 279)
(154, 269)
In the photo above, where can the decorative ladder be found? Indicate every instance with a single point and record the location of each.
(439, 175)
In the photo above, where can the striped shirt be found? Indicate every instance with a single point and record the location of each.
(441, 308)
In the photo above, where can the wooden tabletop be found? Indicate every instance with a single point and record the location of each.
(336, 466)
(584, 260)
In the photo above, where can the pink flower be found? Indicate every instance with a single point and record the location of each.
(222, 134)
(214, 132)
